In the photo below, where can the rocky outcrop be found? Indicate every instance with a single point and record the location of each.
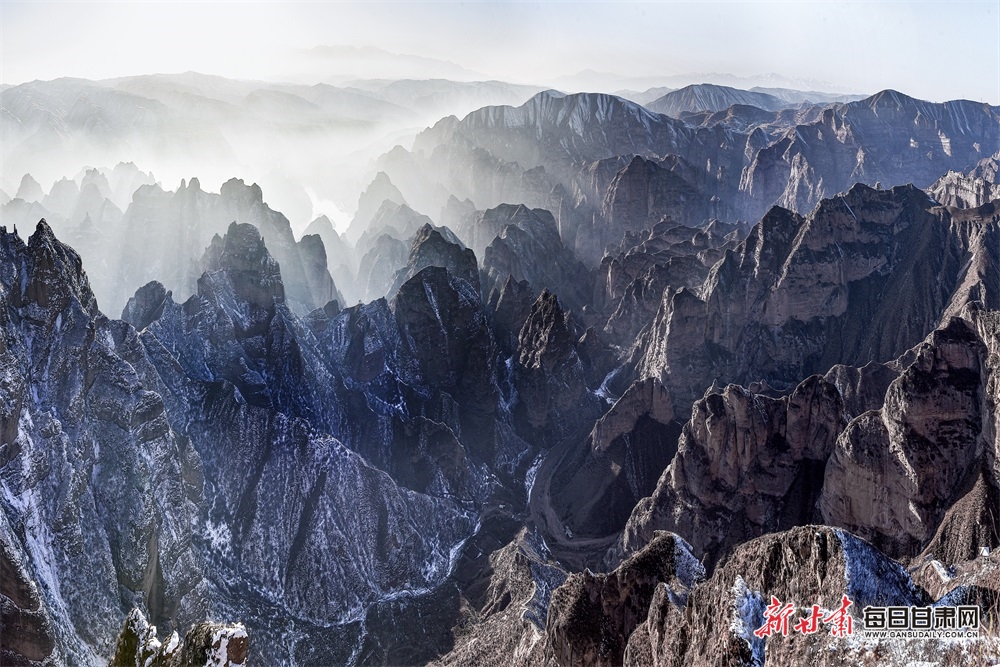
(800, 295)
(510, 303)
(233, 375)
(100, 491)
(317, 276)
(528, 247)
(553, 402)
(894, 472)
(146, 306)
(397, 220)
(215, 644)
(508, 625)
(433, 247)
(386, 257)
(886, 467)
(447, 347)
(643, 194)
(811, 565)
(888, 138)
(340, 257)
(29, 190)
(378, 192)
(633, 276)
(968, 529)
(592, 616)
(972, 189)
(746, 465)
(596, 486)
(28, 635)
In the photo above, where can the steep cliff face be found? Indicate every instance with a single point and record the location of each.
(811, 565)
(592, 616)
(894, 472)
(634, 275)
(340, 258)
(598, 483)
(889, 138)
(971, 189)
(100, 492)
(886, 468)
(553, 404)
(508, 624)
(438, 247)
(527, 247)
(119, 449)
(802, 294)
(644, 193)
(746, 465)
(385, 257)
(533, 613)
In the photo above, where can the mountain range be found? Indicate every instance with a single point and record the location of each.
(581, 383)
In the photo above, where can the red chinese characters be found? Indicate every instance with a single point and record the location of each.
(843, 624)
(775, 619)
(777, 615)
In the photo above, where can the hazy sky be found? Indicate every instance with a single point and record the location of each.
(934, 50)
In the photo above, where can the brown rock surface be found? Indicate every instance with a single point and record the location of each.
(591, 616)
(508, 626)
(746, 464)
(895, 471)
(804, 566)
(863, 278)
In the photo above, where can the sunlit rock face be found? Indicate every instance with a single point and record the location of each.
(883, 453)
(971, 189)
(805, 566)
(799, 295)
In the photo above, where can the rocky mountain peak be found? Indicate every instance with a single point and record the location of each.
(888, 99)
(146, 306)
(379, 191)
(51, 276)
(591, 616)
(244, 258)
(712, 98)
(547, 335)
(238, 192)
(804, 566)
(971, 189)
(216, 644)
(643, 193)
(320, 224)
(29, 190)
(430, 247)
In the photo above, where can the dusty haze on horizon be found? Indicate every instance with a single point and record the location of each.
(932, 50)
